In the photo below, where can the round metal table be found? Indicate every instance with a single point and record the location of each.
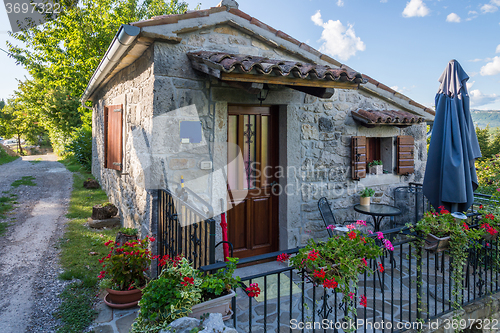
(377, 212)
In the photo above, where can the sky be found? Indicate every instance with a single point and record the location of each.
(406, 45)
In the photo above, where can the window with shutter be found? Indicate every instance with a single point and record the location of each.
(113, 137)
(405, 155)
(358, 157)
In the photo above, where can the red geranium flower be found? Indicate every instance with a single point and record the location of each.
(187, 280)
(381, 267)
(330, 283)
(253, 290)
(364, 261)
(352, 235)
(466, 227)
(319, 274)
(363, 301)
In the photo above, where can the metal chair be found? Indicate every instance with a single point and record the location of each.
(327, 215)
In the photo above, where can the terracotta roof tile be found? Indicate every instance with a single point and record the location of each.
(309, 49)
(246, 63)
(386, 117)
(262, 25)
(241, 14)
(283, 35)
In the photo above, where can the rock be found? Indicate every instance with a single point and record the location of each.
(106, 223)
(183, 325)
(214, 324)
(105, 211)
(91, 184)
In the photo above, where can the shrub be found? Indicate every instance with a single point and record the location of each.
(81, 147)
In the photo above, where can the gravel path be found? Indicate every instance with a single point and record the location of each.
(29, 266)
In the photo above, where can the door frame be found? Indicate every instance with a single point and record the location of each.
(274, 131)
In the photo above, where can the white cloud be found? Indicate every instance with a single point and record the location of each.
(472, 12)
(415, 8)
(338, 40)
(453, 18)
(476, 60)
(498, 49)
(487, 8)
(470, 84)
(340, 3)
(491, 68)
(477, 98)
(495, 2)
(396, 88)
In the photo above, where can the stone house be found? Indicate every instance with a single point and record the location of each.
(177, 95)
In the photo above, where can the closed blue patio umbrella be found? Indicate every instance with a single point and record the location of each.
(450, 175)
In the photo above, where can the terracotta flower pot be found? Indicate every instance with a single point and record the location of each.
(122, 299)
(217, 305)
(437, 244)
(365, 201)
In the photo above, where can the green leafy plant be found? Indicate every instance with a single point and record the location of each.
(338, 262)
(367, 192)
(374, 163)
(27, 180)
(128, 231)
(126, 263)
(178, 288)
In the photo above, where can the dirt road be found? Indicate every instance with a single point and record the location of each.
(28, 251)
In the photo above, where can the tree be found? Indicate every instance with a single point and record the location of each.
(2, 104)
(483, 137)
(62, 54)
(14, 122)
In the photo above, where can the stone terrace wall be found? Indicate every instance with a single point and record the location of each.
(132, 87)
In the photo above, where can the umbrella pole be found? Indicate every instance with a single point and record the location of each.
(454, 207)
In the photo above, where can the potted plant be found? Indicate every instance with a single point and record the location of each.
(375, 167)
(365, 196)
(125, 235)
(442, 231)
(123, 272)
(338, 262)
(180, 291)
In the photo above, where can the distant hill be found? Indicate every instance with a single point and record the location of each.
(483, 118)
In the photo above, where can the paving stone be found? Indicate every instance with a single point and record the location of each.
(123, 324)
(104, 329)
(105, 313)
(270, 319)
(260, 309)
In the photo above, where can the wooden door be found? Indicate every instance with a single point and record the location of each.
(253, 221)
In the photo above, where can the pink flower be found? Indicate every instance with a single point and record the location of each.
(380, 235)
(361, 222)
(364, 261)
(331, 227)
(388, 245)
(283, 257)
(351, 226)
(498, 189)
(351, 295)
(370, 232)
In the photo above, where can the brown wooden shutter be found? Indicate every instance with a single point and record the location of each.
(113, 137)
(405, 151)
(358, 157)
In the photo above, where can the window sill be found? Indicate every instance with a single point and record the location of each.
(384, 179)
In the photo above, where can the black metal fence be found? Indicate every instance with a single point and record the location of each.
(184, 229)
(415, 288)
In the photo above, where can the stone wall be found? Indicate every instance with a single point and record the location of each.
(132, 87)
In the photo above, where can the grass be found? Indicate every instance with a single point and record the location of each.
(26, 180)
(36, 161)
(77, 247)
(6, 204)
(6, 158)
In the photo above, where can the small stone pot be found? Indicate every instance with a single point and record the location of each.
(365, 201)
(118, 299)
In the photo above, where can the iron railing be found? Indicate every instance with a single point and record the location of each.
(415, 288)
(194, 237)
